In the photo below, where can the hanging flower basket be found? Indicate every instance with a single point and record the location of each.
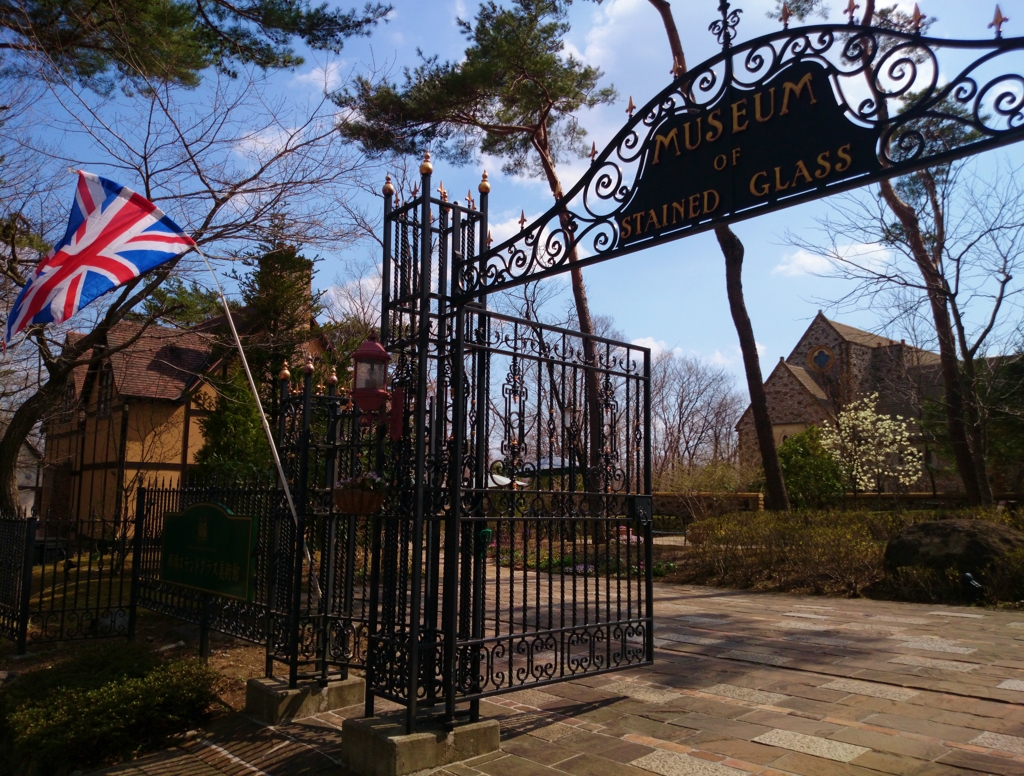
(360, 495)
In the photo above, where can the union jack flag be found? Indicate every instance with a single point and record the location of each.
(113, 236)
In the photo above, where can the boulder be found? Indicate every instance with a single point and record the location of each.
(965, 545)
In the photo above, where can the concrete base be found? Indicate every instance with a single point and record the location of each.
(272, 701)
(379, 746)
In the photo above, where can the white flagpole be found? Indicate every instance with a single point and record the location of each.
(263, 415)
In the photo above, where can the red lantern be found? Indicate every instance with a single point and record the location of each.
(370, 373)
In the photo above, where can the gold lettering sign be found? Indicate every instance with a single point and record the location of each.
(781, 138)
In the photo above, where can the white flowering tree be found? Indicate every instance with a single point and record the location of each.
(872, 448)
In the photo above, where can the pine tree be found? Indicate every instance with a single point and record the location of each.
(277, 319)
(100, 42)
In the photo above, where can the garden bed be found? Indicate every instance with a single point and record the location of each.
(830, 553)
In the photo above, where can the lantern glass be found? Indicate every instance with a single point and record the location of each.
(371, 375)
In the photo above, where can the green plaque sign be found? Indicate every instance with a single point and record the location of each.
(208, 548)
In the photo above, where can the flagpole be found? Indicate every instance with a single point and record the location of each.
(263, 415)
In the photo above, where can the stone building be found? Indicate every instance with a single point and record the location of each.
(834, 364)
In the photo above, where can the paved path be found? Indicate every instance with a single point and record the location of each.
(742, 683)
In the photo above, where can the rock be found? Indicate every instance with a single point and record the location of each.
(965, 545)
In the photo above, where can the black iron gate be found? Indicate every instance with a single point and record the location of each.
(514, 547)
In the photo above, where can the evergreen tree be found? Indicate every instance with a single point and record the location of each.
(235, 444)
(814, 478)
(281, 307)
(173, 40)
(277, 319)
(180, 304)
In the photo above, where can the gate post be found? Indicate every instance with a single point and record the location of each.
(419, 507)
(449, 610)
(26, 584)
(649, 527)
(300, 529)
(140, 524)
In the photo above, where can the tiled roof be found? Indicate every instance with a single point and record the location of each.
(807, 381)
(861, 337)
(157, 365)
(160, 364)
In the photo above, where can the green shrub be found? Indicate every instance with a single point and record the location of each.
(825, 552)
(814, 478)
(95, 709)
(838, 553)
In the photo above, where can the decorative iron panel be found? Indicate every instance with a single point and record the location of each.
(738, 136)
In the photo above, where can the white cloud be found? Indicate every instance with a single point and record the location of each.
(266, 141)
(802, 262)
(603, 41)
(718, 358)
(656, 346)
(323, 77)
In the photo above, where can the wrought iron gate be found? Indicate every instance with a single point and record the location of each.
(514, 547)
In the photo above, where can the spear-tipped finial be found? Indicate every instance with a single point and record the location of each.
(469, 200)
(678, 68)
(489, 238)
(997, 22)
(485, 185)
(442, 192)
(917, 18)
(522, 221)
(426, 167)
(389, 187)
(593, 152)
(851, 10)
(785, 16)
(631, 107)
(415, 190)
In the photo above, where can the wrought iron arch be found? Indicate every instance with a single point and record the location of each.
(906, 97)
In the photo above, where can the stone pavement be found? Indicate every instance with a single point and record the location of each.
(742, 683)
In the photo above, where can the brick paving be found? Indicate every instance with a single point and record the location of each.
(743, 683)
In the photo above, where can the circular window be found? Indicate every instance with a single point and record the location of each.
(821, 359)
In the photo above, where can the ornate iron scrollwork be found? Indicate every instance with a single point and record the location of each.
(905, 97)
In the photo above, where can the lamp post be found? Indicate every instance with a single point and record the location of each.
(370, 372)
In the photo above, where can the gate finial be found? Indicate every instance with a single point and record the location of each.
(389, 187)
(785, 16)
(725, 28)
(998, 21)
(426, 167)
(851, 10)
(485, 185)
(917, 19)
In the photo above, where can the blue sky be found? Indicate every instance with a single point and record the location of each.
(673, 295)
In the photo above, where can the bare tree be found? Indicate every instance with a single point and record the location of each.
(694, 411)
(225, 162)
